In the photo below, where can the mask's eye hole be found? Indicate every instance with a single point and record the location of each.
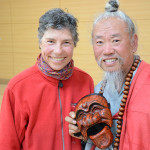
(80, 113)
(96, 107)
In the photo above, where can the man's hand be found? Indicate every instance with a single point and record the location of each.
(73, 128)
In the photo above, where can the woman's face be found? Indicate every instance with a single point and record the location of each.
(57, 48)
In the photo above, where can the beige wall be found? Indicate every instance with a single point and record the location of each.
(19, 23)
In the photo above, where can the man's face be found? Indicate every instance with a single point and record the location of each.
(112, 45)
(57, 48)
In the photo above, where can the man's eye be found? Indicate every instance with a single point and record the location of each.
(99, 42)
(115, 41)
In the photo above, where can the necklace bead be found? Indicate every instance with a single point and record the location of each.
(131, 71)
(122, 104)
(124, 100)
(125, 96)
(119, 117)
(126, 87)
(119, 122)
(125, 92)
(127, 83)
(120, 113)
(116, 144)
(129, 75)
(117, 140)
(121, 109)
(119, 126)
(135, 64)
(133, 68)
(128, 79)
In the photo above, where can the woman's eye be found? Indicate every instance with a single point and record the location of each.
(50, 42)
(67, 42)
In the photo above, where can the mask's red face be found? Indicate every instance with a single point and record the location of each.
(94, 119)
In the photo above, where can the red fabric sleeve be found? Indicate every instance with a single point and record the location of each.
(8, 135)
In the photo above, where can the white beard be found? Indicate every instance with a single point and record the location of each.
(114, 80)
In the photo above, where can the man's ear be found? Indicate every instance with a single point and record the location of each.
(134, 43)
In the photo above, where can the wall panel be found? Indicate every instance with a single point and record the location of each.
(25, 38)
(144, 37)
(29, 11)
(5, 38)
(18, 31)
(136, 9)
(5, 11)
(6, 65)
(87, 63)
(84, 10)
(84, 46)
(23, 61)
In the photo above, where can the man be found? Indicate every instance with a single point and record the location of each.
(127, 80)
(37, 100)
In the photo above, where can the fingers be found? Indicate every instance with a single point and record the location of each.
(70, 120)
(73, 128)
(72, 114)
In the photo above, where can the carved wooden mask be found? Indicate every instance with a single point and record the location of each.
(94, 119)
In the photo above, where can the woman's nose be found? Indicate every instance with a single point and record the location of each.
(58, 49)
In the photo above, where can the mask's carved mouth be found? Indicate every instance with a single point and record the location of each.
(96, 129)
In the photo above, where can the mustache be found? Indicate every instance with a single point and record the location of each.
(120, 59)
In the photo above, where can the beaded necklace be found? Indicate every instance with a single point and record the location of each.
(123, 100)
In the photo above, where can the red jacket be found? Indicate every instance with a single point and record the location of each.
(34, 108)
(135, 133)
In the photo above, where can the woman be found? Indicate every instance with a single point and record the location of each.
(36, 101)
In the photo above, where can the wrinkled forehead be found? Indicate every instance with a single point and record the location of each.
(112, 24)
(89, 100)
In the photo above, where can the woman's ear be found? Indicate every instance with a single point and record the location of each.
(134, 43)
(40, 45)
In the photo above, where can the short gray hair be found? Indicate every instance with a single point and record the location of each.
(58, 19)
(111, 10)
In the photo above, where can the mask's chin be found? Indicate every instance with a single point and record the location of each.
(101, 135)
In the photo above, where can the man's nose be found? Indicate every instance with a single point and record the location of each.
(108, 49)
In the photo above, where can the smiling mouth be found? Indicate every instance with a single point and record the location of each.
(110, 60)
(57, 58)
(96, 129)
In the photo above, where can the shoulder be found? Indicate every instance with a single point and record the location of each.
(22, 76)
(81, 77)
(143, 68)
(81, 73)
(97, 87)
(145, 64)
